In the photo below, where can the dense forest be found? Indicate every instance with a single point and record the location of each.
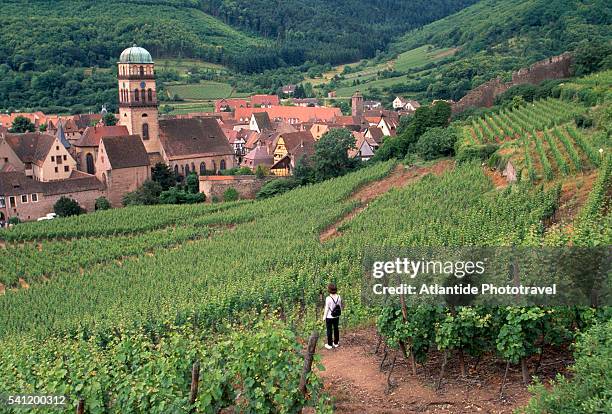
(357, 29)
(44, 45)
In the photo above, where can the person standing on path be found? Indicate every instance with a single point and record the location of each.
(331, 316)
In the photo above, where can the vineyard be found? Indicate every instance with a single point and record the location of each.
(540, 140)
(123, 309)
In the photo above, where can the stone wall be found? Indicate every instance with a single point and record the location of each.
(125, 180)
(556, 67)
(246, 185)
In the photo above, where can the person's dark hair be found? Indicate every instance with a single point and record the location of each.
(331, 288)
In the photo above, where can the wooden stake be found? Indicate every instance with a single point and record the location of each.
(308, 358)
(389, 385)
(503, 384)
(525, 371)
(81, 407)
(442, 369)
(195, 382)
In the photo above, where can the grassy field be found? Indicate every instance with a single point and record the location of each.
(185, 108)
(183, 66)
(201, 91)
(404, 63)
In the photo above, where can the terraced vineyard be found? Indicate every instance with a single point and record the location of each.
(70, 334)
(538, 139)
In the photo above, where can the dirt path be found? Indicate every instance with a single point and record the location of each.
(400, 177)
(353, 378)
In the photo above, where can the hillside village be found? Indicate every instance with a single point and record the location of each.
(80, 157)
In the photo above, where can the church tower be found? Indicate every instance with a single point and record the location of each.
(137, 96)
(357, 105)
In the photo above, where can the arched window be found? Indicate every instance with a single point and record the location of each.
(176, 170)
(186, 170)
(136, 97)
(142, 71)
(193, 168)
(145, 131)
(202, 168)
(142, 94)
(222, 165)
(214, 167)
(144, 115)
(150, 95)
(90, 164)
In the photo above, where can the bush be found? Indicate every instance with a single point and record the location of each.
(193, 183)
(231, 194)
(147, 194)
(277, 187)
(14, 220)
(436, 142)
(102, 204)
(476, 152)
(176, 196)
(589, 389)
(583, 121)
(260, 171)
(65, 207)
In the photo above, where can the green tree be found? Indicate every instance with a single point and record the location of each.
(231, 194)
(109, 119)
(163, 175)
(303, 171)
(65, 207)
(518, 101)
(193, 183)
(331, 154)
(102, 203)
(42, 128)
(22, 124)
(260, 171)
(436, 142)
(147, 194)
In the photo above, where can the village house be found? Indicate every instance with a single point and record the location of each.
(294, 148)
(365, 147)
(195, 145)
(400, 103)
(258, 156)
(27, 199)
(230, 105)
(260, 121)
(291, 114)
(288, 89)
(290, 141)
(39, 156)
(264, 101)
(86, 148)
(372, 105)
(305, 102)
(122, 165)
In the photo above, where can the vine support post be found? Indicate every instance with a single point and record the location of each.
(503, 384)
(442, 369)
(389, 384)
(308, 358)
(81, 407)
(195, 382)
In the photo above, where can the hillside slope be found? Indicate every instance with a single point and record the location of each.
(492, 38)
(498, 36)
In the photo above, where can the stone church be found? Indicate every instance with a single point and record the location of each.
(185, 145)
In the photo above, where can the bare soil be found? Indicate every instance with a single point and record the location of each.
(400, 177)
(353, 378)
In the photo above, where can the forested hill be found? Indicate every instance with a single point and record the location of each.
(497, 36)
(331, 31)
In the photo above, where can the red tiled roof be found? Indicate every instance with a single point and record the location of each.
(92, 135)
(265, 100)
(292, 114)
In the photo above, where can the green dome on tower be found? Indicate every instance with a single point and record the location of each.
(135, 54)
